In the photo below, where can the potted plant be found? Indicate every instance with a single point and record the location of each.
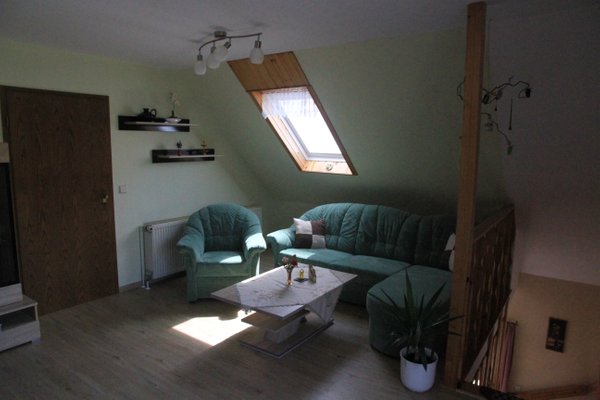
(419, 322)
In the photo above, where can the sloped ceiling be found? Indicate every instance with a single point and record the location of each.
(385, 70)
(394, 106)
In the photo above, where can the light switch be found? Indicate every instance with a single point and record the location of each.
(122, 188)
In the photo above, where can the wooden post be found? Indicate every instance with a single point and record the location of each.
(466, 191)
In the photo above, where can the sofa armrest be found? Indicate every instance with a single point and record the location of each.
(281, 240)
(254, 243)
(191, 244)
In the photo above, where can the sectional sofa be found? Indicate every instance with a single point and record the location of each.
(380, 244)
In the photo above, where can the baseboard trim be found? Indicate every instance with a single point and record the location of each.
(130, 286)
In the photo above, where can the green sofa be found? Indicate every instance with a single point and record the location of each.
(378, 244)
(221, 245)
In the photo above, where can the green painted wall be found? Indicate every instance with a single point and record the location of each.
(393, 103)
(154, 191)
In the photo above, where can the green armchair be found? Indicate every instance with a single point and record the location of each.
(221, 245)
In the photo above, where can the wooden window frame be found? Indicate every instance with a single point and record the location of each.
(283, 71)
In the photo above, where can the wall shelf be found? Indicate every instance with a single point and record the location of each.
(134, 123)
(165, 156)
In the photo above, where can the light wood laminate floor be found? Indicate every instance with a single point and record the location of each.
(126, 347)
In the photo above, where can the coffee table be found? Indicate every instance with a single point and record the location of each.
(286, 316)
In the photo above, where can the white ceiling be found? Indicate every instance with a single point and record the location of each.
(167, 33)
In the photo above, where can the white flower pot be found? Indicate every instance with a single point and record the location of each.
(414, 376)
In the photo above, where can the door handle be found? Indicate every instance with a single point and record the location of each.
(105, 199)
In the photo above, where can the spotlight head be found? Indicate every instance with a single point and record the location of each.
(212, 62)
(256, 55)
(200, 66)
(221, 52)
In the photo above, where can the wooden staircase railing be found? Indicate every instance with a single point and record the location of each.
(489, 291)
(486, 298)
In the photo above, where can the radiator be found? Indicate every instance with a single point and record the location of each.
(161, 258)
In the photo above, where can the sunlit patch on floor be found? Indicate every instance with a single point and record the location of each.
(212, 330)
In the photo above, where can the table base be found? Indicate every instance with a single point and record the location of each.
(258, 339)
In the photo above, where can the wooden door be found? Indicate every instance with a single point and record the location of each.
(62, 175)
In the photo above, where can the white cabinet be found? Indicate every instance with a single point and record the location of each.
(19, 323)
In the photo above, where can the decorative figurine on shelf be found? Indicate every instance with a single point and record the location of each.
(289, 265)
(147, 114)
(312, 274)
(179, 146)
(174, 103)
(172, 119)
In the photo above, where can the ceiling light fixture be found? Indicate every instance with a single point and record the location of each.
(220, 49)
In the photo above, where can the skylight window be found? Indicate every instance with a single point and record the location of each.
(298, 111)
(314, 135)
(291, 107)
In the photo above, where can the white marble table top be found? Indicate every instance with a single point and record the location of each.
(269, 292)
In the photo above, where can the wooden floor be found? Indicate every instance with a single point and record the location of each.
(126, 347)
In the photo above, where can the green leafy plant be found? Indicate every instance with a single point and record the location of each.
(418, 322)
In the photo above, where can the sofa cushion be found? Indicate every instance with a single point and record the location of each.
(387, 232)
(221, 264)
(223, 226)
(341, 220)
(370, 270)
(320, 257)
(221, 257)
(309, 234)
(369, 230)
(432, 237)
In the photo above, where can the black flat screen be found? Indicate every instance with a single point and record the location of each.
(9, 270)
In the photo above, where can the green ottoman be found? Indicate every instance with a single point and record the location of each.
(425, 281)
